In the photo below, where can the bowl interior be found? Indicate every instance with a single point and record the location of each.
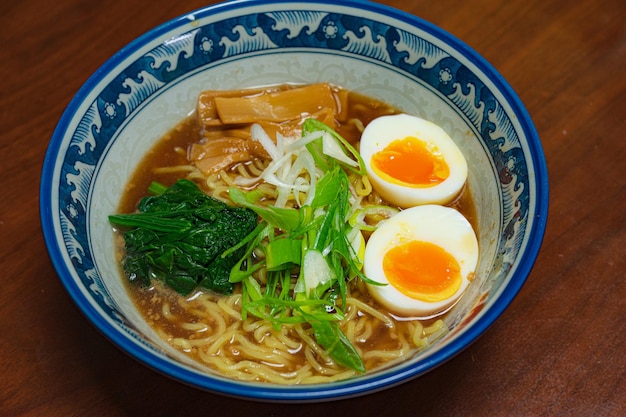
(151, 85)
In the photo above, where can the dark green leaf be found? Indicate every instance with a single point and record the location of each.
(179, 237)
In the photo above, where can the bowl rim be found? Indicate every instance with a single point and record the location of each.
(320, 392)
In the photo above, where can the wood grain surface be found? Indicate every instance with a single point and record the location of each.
(559, 350)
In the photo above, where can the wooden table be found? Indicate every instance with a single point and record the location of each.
(558, 350)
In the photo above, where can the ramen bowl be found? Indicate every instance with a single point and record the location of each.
(153, 83)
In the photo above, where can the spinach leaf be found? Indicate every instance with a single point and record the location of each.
(180, 237)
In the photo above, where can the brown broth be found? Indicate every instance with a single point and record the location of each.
(168, 151)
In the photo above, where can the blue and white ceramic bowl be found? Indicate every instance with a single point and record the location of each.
(152, 84)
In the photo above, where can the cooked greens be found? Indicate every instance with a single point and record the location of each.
(179, 236)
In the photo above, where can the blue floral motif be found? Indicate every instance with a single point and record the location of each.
(206, 45)
(110, 111)
(445, 76)
(252, 33)
(330, 30)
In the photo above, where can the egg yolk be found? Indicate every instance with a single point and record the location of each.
(422, 270)
(410, 162)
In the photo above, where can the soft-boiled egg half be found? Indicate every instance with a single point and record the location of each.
(425, 257)
(412, 161)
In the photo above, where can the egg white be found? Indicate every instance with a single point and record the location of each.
(442, 226)
(380, 132)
